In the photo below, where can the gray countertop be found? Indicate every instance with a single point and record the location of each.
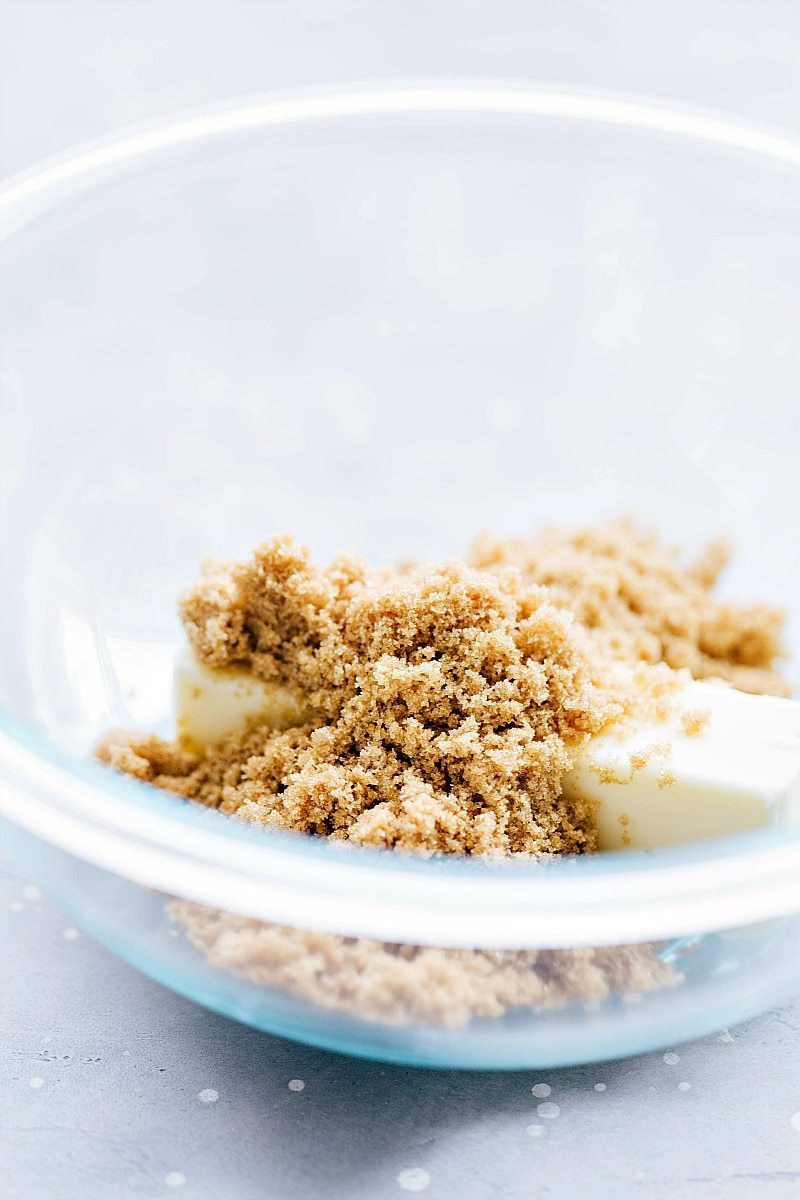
(114, 1088)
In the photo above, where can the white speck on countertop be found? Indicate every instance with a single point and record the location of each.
(175, 1179)
(725, 1036)
(31, 892)
(413, 1179)
(684, 1086)
(600, 1087)
(16, 906)
(535, 1130)
(671, 1058)
(37, 1082)
(794, 1121)
(70, 934)
(296, 1085)
(541, 1090)
(548, 1110)
(208, 1096)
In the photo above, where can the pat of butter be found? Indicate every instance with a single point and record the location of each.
(210, 704)
(724, 762)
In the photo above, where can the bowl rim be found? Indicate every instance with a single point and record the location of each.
(88, 161)
(157, 840)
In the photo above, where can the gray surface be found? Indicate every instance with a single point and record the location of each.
(122, 1062)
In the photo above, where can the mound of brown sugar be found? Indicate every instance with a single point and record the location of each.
(639, 604)
(447, 704)
(400, 985)
(443, 709)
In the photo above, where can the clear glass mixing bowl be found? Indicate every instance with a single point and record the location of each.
(387, 318)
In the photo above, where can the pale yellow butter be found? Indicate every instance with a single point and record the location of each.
(209, 704)
(662, 783)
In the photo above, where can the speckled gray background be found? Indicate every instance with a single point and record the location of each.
(112, 1087)
(102, 1070)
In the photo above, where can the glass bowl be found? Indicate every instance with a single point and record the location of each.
(385, 318)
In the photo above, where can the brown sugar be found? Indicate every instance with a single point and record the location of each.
(694, 721)
(447, 706)
(400, 985)
(444, 706)
(639, 604)
(441, 710)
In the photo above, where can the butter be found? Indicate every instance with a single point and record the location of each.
(723, 762)
(211, 703)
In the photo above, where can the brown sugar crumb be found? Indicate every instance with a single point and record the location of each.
(625, 821)
(607, 774)
(667, 778)
(637, 761)
(640, 758)
(400, 985)
(694, 721)
(450, 702)
(640, 605)
(148, 758)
